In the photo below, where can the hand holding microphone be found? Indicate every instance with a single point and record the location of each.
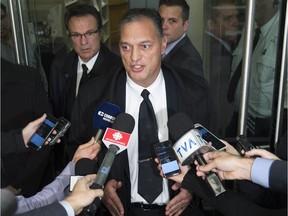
(116, 140)
(190, 146)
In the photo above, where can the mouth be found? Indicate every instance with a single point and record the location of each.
(137, 68)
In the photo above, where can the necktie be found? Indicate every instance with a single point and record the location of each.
(84, 75)
(237, 74)
(149, 180)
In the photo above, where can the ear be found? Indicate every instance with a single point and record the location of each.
(186, 25)
(164, 43)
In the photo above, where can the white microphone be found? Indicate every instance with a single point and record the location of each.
(190, 146)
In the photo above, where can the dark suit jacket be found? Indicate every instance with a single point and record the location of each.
(63, 76)
(23, 100)
(54, 209)
(185, 56)
(184, 94)
(278, 176)
(12, 141)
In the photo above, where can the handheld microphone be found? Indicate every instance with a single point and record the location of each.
(104, 117)
(190, 146)
(116, 140)
(83, 167)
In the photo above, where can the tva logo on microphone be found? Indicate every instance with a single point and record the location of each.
(187, 145)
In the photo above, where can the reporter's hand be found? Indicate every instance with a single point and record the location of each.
(177, 178)
(87, 150)
(111, 199)
(31, 128)
(13, 190)
(179, 203)
(262, 153)
(227, 166)
(82, 195)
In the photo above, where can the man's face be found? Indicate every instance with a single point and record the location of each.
(140, 49)
(173, 24)
(85, 47)
(226, 25)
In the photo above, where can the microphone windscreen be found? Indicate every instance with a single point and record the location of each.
(105, 115)
(8, 203)
(124, 122)
(179, 124)
(85, 166)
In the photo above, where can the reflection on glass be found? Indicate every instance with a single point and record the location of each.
(262, 72)
(221, 36)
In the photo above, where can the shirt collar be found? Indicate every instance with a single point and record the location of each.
(90, 63)
(170, 46)
(152, 88)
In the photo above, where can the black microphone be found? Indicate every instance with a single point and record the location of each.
(116, 139)
(190, 146)
(83, 167)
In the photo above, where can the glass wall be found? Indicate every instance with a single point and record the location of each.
(224, 51)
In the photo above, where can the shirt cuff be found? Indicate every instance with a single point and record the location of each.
(260, 171)
(68, 208)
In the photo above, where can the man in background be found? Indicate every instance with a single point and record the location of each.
(89, 59)
(180, 52)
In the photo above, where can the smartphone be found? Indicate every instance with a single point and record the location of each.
(167, 158)
(61, 128)
(209, 137)
(41, 135)
(244, 144)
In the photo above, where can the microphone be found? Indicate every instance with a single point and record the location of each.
(190, 146)
(116, 139)
(104, 117)
(83, 167)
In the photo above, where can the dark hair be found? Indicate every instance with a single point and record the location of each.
(137, 14)
(181, 3)
(80, 10)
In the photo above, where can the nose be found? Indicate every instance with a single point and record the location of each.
(164, 25)
(134, 54)
(83, 40)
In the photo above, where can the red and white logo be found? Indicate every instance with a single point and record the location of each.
(116, 137)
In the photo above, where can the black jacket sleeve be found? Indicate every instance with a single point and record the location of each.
(12, 141)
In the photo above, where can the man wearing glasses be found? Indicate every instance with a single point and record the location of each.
(89, 59)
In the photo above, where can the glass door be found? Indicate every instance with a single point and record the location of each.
(19, 43)
(241, 66)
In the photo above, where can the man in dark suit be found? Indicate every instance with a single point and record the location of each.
(220, 39)
(180, 51)
(141, 45)
(23, 100)
(84, 24)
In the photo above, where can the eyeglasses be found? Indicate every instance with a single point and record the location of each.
(87, 35)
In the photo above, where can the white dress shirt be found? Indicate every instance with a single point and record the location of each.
(157, 97)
